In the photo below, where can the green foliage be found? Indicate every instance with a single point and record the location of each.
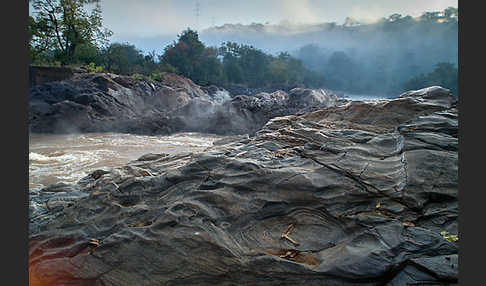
(208, 69)
(233, 63)
(449, 237)
(94, 68)
(189, 57)
(449, 14)
(123, 59)
(87, 53)
(59, 27)
(165, 67)
(243, 64)
(377, 58)
(444, 74)
(39, 41)
(149, 64)
(138, 76)
(156, 76)
(66, 32)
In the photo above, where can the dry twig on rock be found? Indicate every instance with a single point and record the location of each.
(286, 233)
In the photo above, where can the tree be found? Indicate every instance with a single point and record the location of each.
(278, 72)
(394, 17)
(451, 14)
(87, 53)
(184, 54)
(39, 40)
(62, 25)
(123, 59)
(192, 59)
(244, 64)
(312, 56)
(444, 74)
(209, 69)
(430, 16)
(341, 71)
(150, 63)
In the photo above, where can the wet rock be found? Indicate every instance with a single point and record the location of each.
(303, 97)
(59, 187)
(367, 188)
(101, 102)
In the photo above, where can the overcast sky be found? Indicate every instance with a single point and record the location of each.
(148, 18)
(144, 21)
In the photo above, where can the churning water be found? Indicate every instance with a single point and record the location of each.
(68, 158)
(360, 97)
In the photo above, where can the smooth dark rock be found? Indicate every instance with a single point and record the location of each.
(368, 187)
(102, 102)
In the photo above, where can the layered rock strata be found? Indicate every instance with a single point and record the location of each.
(357, 194)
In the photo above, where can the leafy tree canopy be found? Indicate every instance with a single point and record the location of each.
(60, 26)
(444, 74)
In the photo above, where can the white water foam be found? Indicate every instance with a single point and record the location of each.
(68, 158)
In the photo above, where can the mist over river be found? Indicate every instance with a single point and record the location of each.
(68, 158)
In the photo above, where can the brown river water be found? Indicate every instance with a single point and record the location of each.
(68, 158)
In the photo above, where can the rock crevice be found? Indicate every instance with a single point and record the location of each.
(368, 189)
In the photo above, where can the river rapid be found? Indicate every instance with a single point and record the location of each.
(68, 158)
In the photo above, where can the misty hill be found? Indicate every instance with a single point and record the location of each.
(358, 57)
(384, 58)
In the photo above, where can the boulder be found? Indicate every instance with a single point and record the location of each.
(346, 195)
(304, 97)
(99, 102)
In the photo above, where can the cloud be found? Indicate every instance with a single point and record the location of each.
(145, 18)
(371, 11)
(370, 14)
(140, 19)
(298, 11)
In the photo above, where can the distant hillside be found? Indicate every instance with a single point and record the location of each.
(375, 57)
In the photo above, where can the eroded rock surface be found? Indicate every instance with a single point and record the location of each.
(103, 102)
(98, 102)
(348, 195)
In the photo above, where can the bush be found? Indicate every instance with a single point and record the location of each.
(138, 76)
(444, 74)
(156, 76)
(93, 68)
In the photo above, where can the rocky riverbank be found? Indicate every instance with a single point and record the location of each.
(103, 102)
(357, 193)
